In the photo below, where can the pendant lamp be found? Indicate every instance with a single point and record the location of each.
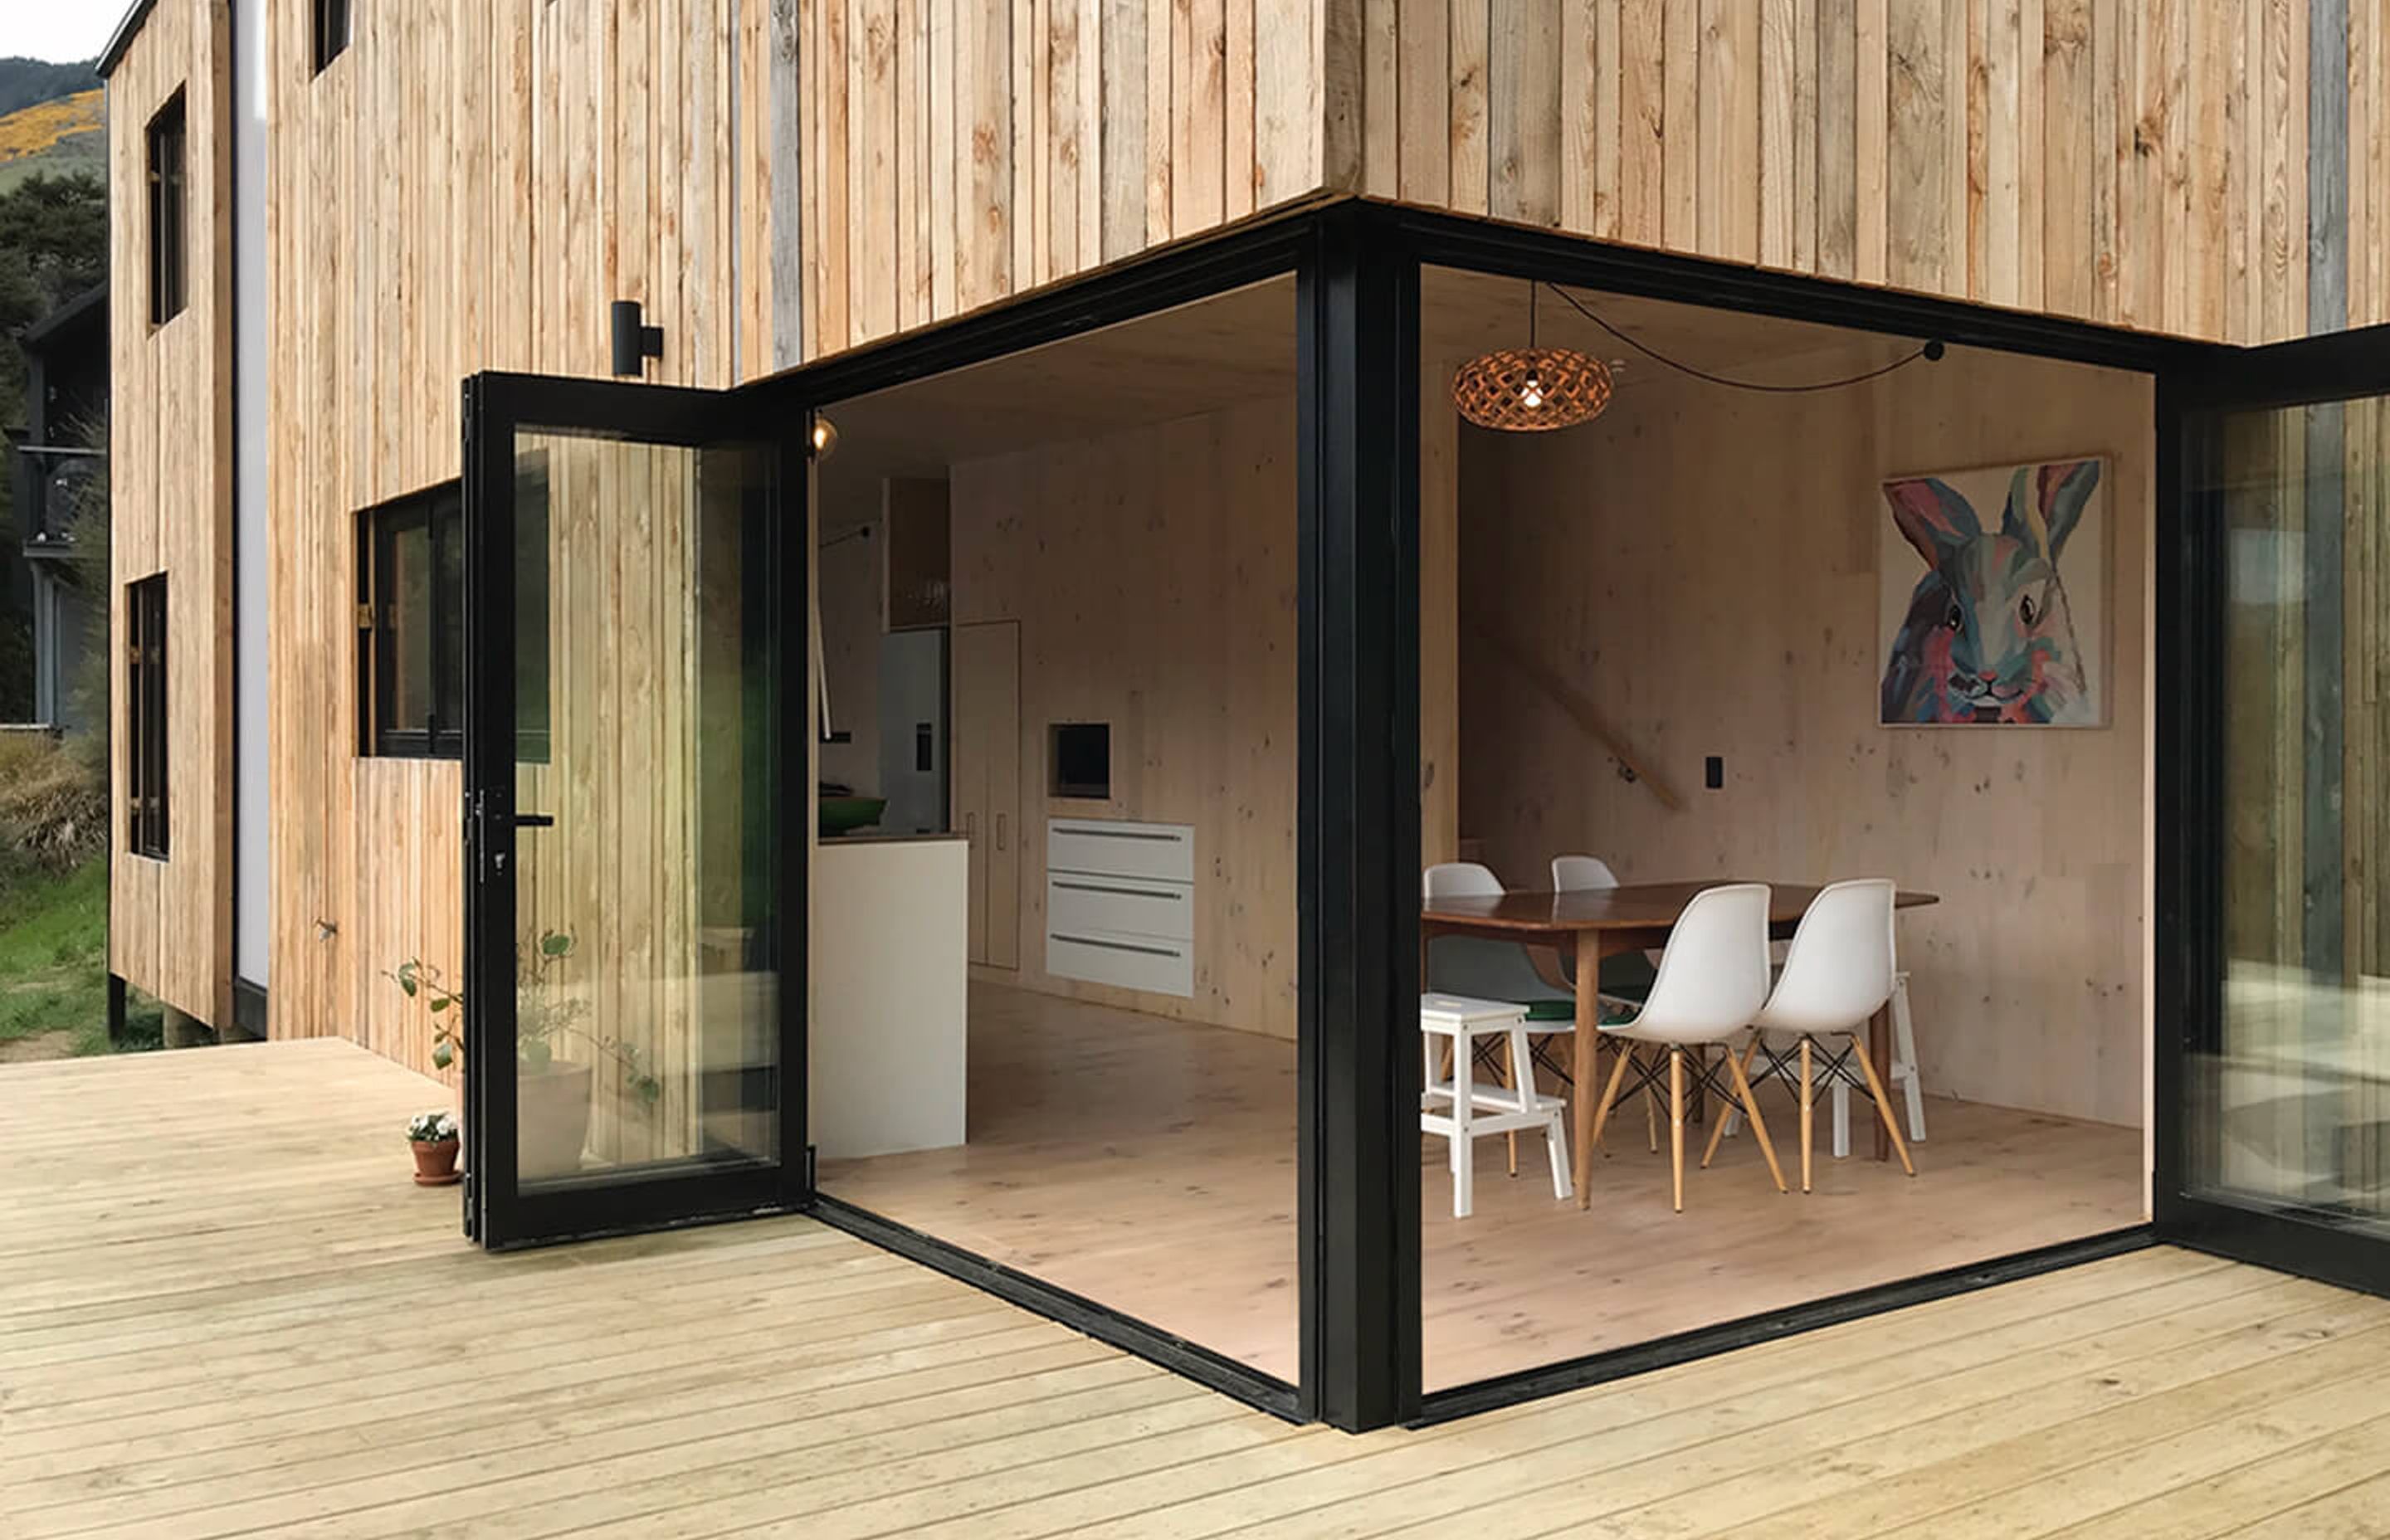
(1531, 390)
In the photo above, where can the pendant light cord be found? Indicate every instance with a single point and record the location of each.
(1930, 351)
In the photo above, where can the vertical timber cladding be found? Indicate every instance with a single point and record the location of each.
(170, 927)
(2142, 163)
(465, 186)
(954, 153)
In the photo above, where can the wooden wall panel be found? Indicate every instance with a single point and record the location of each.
(1727, 605)
(1141, 605)
(2117, 161)
(170, 931)
(958, 152)
(467, 186)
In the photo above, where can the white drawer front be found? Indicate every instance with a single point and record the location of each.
(1147, 963)
(1162, 853)
(1076, 901)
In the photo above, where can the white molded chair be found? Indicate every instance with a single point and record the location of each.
(1463, 1111)
(1574, 874)
(1482, 967)
(1839, 973)
(1712, 980)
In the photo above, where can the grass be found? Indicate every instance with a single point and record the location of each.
(54, 961)
(56, 138)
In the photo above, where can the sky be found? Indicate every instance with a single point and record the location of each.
(60, 31)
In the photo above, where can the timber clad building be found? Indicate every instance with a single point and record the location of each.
(895, 595)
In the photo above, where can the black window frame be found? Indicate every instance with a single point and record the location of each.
(146, 766)
(333, 24)
(167, 142)
(440, 512)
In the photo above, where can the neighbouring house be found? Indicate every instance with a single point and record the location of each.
(1185, 659)
(51, 458)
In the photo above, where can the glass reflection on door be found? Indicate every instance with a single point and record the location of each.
(647, 1031)
(2291, 1098)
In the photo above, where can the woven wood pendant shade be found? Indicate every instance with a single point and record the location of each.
(1531, 390)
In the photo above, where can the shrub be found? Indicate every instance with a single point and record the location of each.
(53, 808)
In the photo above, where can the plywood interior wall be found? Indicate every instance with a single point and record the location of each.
(169, 445)
(1152, 572)
(1717, 603)
(465, 186)
(2146, 164)
(957, 152)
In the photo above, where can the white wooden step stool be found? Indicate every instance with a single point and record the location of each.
(1465, 1114)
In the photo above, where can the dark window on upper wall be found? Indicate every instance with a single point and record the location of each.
(331, 30)
(168, 242)
(145, 697)
(411, 626)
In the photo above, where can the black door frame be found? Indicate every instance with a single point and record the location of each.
(2192, 575)
(497, 407)
(1357, 266)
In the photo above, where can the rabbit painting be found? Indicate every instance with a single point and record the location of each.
(1988, 634)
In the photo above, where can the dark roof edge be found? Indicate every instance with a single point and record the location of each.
(122, 39)
(66, 314)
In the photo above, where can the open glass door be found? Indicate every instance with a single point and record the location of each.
(2274, 1097)
(632, 946)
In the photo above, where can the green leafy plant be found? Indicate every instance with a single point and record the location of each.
(544, 1014)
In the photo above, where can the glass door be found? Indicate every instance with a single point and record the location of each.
(2275, 1099)
(633, 976)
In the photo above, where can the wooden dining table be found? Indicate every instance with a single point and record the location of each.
(1591, 924)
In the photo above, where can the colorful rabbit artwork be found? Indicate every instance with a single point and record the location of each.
(1989, 633)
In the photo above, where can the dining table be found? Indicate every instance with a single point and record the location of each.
(1589, 924)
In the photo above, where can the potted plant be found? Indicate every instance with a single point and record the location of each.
(433, 1137)
(551, 1088)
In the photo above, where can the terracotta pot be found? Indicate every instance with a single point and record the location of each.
(435, 1164)
(551, 1120)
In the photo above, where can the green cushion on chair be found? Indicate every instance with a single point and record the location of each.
(1551, 1011)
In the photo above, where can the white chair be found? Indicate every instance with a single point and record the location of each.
(1463, 1111)
(1838, 974)
(1575, 874)
(1712, 980)
(1482, 967)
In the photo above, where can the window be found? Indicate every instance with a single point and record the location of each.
(168, 256)
(411, 626)
(411, 623)
(331, 30)
(145, 695)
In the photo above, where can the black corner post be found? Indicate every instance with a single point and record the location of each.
(1359, 821)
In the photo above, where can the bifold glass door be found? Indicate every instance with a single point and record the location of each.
(2282, 1092)
(631, 1012)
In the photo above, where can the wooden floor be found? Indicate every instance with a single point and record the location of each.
(228, 1312)
(1108, 1148)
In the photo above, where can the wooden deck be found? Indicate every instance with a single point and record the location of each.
(227, 1312)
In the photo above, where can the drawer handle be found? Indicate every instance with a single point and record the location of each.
(1124, 892)
(1118, 946)
(1119, 834)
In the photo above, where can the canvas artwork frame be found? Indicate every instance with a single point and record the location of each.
(1993, 593)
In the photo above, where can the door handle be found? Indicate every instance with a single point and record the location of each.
(534, 820)
(999, 831)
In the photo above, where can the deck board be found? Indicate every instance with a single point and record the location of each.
(229, 1312)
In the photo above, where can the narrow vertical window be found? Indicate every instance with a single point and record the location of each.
(168, 233)
(145, 695)
(331, 30)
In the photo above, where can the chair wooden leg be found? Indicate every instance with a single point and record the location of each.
(1677, 1122)
(1808, 1110)
(1652, 1120)
(1507, 1072)
(1719, 1129)
(1883, 1107)
(1610, 1092)
(1758, 1123)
